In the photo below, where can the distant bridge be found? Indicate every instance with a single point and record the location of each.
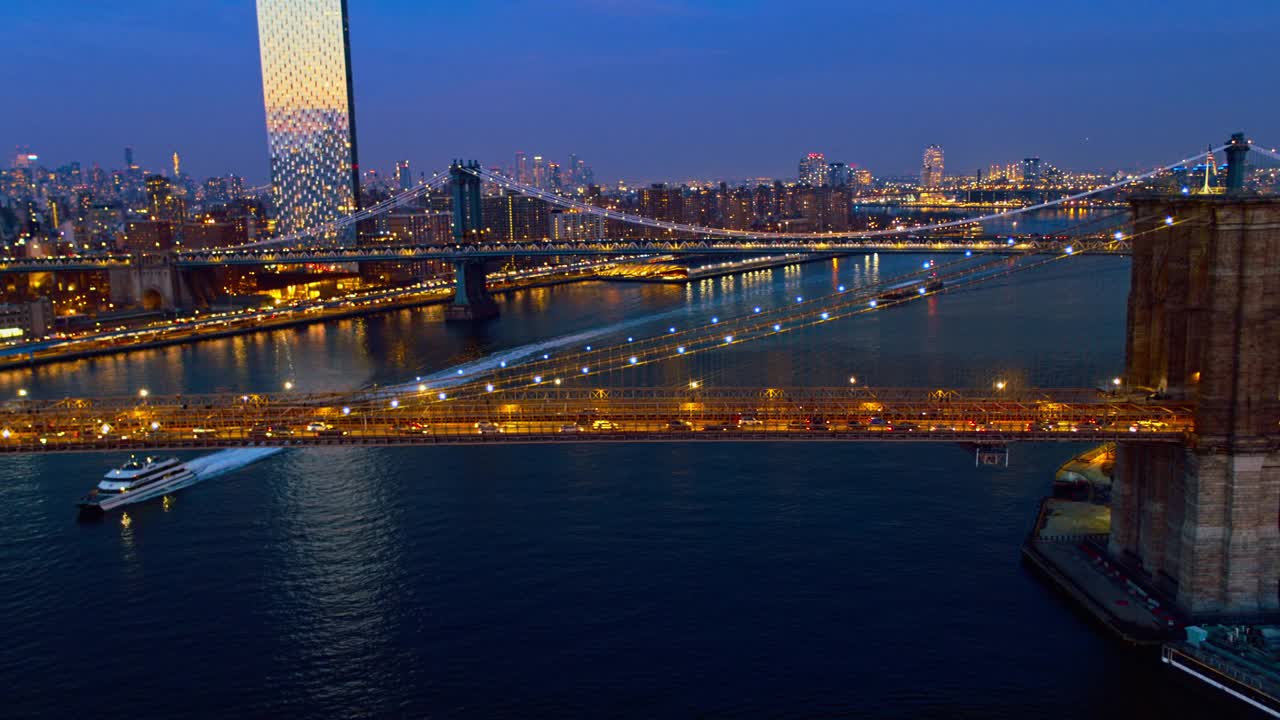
(455, 252)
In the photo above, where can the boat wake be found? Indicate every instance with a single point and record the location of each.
(225, 461)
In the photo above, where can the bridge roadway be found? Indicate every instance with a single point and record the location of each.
(494, 250)
(542, 414)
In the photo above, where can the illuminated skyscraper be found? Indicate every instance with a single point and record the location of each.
(539, 172)
(931, 167)
(311, 124)
(813, 170)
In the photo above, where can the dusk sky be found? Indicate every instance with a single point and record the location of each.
(669, 89)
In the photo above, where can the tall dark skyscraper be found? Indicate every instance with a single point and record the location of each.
(311, 126)
(404, 176)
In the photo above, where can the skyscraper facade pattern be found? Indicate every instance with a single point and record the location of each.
(306, 85)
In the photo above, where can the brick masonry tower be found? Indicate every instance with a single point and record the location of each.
(1204, 326)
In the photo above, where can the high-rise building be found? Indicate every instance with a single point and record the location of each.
(522, 168)
(404, 176)
(311, 125)
(177, 166)
(813, 170)
(161, 203)
(931, 167)
(839, 174)
(539, 173)
(1031, 170)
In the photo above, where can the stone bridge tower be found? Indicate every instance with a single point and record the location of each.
(1204, 326)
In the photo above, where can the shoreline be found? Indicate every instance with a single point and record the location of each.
(21, 361)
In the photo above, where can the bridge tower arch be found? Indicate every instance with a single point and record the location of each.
(1204, 326)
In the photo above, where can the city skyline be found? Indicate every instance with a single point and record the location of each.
(216, 123)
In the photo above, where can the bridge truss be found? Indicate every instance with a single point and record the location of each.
(555, 414)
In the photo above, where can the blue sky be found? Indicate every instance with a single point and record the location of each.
(667, 89)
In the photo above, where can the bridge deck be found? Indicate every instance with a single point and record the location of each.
(537, 415)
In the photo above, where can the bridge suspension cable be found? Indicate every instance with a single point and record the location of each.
(348, 220)
(440, 179)
(553, 370)
(608, 214)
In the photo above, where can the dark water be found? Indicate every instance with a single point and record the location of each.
(739, 580)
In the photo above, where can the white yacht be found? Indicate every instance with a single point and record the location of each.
(135, 481)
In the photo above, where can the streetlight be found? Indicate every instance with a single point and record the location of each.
(22, 392)
(1116, 382)
(288, 384)
(693, 384)
(1000, 384)
(853, 380)
(143, 393)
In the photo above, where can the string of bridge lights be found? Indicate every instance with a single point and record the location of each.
(1264, 151)
(757, 325)
(633, 351)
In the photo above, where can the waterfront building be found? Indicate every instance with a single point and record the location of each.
(576, 225)
(26, 320)
(310, 107)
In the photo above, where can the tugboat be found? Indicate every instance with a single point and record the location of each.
(133, 482)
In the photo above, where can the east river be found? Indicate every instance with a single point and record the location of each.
(711, 580)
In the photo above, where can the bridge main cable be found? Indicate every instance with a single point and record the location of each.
(606, 213)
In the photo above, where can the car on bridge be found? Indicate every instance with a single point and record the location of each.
(485, 427)
(605, 426)
(679, 425)
(717, 426)
(259, 432)
(318, 426)
(411, 427)
(570, 428)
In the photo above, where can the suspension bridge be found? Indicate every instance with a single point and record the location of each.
(1196, 415)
